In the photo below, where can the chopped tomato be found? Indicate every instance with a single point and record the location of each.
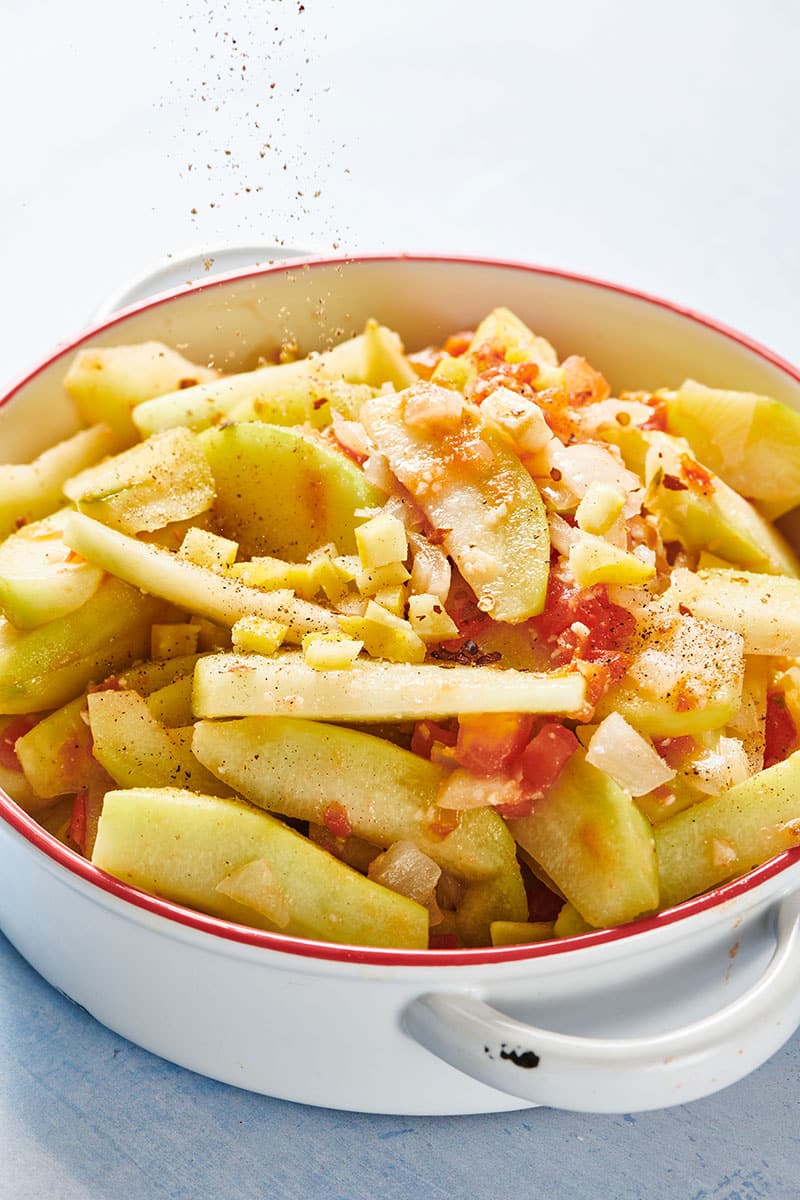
(336, 820)
(781, 731)
(459, 343)
(584, 384)
(583, 623)
(112, 684)
(517, 377)
(516, 809)
(658, 420)
(489, 354)
(77, 823)
(543, 905)
(675, 750)
(546, 755)
(8, 740)
(425, 361)
(442, 941)
(462, 607)
(426, 733)
(492, 742)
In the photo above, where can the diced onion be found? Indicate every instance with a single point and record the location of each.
(430, 573)
(585, 463)
(352, 435)
(722, 766)
(406, 870)
(463, 790)
(377, 471)
(604, 413)
(563, 536)
(627, 757)
(253, 886)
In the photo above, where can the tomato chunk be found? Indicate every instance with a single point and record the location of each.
(584, 384)
(336, 820)
(780, 730)
(583, 623)
(491, 742)
(546, 755)
(674, 750)
(427, 733)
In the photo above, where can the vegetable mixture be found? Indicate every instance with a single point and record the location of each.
(450, 648)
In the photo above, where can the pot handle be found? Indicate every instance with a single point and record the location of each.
(589, 1074)
(189, 268)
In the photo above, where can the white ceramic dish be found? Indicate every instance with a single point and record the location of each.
(656, 1013)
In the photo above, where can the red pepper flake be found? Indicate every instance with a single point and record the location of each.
(697, 475)
(658, 420)
(15, 729)
(673, 484)
(780, 730)
(318, 403)
(336, 820)
(447, 820)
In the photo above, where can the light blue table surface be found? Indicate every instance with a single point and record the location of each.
(86, 1115)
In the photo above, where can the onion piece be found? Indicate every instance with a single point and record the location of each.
(406, 870)
(253, 885)
(563, 536)
(584, 463)
(352, 435)
(722, 766)
(431, 573)
(627, 757)
(462, 790)
(604, 413)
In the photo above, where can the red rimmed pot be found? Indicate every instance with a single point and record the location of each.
(655, 1013)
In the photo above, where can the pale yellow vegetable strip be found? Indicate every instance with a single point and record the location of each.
(194, 588)
(297, 768)
(729, 834)
(764, 609)
(182, 845)
(198, 407)
(29, 491)
(138, 751)
(233, 685)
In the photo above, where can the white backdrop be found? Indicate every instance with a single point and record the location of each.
(653, 145)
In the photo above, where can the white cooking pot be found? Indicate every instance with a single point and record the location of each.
(658, 1012)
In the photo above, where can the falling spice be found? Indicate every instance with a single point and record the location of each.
(254, 101)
